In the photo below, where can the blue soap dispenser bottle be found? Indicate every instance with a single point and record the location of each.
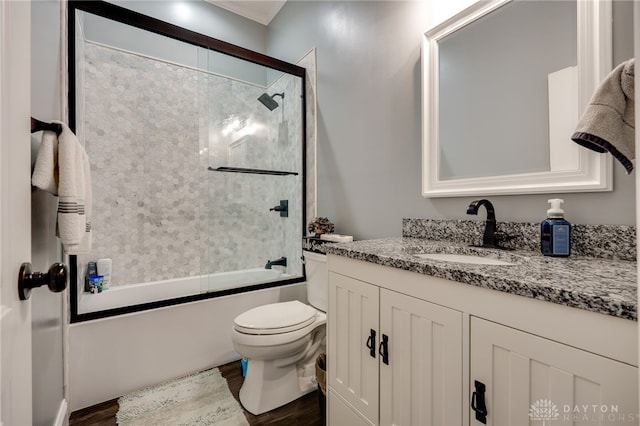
(555, 231)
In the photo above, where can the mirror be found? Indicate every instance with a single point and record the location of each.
(504, 82)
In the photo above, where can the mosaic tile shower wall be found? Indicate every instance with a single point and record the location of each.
(246, 134)
(151, 130)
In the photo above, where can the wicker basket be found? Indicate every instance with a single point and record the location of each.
(321, 372)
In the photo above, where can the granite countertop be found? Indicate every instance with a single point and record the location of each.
(600, 285)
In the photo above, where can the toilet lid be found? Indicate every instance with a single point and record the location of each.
(275, 318)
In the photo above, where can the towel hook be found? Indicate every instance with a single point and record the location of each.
(37, 125)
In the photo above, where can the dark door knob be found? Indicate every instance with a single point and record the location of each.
(55, 279)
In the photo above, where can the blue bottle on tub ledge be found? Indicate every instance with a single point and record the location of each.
(555, 231)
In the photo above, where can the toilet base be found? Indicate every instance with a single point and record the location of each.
(268, 386)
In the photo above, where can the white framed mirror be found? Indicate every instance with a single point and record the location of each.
(504, 83)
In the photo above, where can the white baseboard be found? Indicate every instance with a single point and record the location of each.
(62, 419)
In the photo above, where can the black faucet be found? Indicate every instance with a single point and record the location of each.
(491, 238)
(282, 262)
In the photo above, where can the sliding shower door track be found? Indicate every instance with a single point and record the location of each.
(251, 171)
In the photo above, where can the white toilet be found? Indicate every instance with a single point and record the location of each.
(282, 342)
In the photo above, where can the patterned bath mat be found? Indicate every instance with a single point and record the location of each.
(199, 399)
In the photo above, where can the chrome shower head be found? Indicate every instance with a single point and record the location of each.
(268, 101)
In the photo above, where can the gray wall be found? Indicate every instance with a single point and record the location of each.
(204, 18)
(122, 36)
(369, 130)
(47, 340)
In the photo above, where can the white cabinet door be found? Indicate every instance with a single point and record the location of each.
(352, 367)
(421, 380)
(340, 414)
(531, 380)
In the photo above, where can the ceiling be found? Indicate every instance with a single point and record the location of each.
(261, 11)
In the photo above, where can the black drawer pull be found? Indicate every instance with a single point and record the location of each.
(371, 343)
(384, 349)
(477, 402)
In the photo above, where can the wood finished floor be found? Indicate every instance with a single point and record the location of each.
(304, 411)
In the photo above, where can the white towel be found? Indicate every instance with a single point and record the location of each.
(45, 173)
(65, 172)
(608, 122)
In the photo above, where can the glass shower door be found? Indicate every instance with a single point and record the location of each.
(197, 162)
(256, 177)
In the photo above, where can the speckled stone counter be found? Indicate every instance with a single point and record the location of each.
(314, 244)
(595, 284)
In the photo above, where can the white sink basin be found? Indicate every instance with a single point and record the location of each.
(463, 258)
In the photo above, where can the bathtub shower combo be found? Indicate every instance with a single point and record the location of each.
(197, 161)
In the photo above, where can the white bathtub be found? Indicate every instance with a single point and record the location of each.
(112, 356)
(136, 294)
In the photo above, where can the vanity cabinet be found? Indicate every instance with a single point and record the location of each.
(394, 358)
(435, 338)
(520, 369)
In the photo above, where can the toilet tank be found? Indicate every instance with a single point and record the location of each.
(317, 280)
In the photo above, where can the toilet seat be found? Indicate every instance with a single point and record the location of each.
(275, 318)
